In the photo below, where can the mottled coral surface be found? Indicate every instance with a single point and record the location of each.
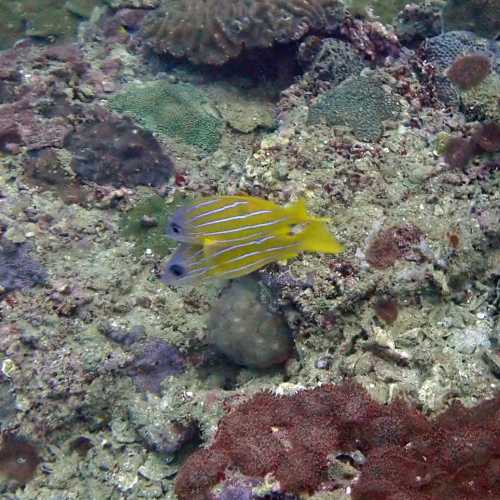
(294, 438)
(214, 31)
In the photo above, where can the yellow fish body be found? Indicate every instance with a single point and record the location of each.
(231, 259)
(233, 219)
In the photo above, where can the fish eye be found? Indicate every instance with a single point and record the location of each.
(175, 227)
(176, 270)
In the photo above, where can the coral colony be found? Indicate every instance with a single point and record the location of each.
(322, 177)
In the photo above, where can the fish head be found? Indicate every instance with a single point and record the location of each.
(185, 267)
(176, 226)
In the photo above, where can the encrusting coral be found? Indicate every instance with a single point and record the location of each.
(215, 31)
(295, 438)
(361, 103)
(179, 111)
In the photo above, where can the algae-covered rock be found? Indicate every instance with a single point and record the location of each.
(361, 103)
(12, 23)
(480, 16)
(145, 225)
(482, 102)
(179, 111)
(386, 10)
(242, 328)
(82, 8)
(48, 18)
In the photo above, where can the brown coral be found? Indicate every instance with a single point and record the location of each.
(214, 31)
(470, 70)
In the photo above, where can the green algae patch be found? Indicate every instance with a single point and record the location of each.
(177, 110)
(145, 224)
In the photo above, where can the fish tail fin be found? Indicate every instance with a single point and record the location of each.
(317, 238)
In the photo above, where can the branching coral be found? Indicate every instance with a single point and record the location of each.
(407, 456)
(214, 31)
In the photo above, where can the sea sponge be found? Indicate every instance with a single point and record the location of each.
(115, 152)
(214, 31)
(242, 328)
(470, 70)
(180, 111)
(361, 103)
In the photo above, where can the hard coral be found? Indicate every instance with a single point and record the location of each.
(215, 31)
(179, 111)
(116, 152)
(407, 456)
(361, 103)
(470, 70)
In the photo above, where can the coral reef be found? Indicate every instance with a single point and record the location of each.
(292, 438)
(416, 22)
(179, 111)
(361, 103)
(242, 327)
(17, 269)
(215, 31)
(117, 152)
(479, 16)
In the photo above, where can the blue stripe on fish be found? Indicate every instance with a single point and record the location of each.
(234, 217)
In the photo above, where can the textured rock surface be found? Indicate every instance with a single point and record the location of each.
(361, 103)
(215, 31)
(243, 329)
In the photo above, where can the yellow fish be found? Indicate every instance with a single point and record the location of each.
(234, 218)
(231, 259)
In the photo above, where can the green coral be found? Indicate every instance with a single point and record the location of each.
(361, 103)
(150, 235)
(178, 110)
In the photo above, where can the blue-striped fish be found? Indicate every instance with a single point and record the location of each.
(231, 259)
(233, 219)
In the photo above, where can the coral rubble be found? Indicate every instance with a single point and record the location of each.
(215, 31)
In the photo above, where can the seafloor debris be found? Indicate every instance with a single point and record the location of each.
(294, 437)
(187, 28)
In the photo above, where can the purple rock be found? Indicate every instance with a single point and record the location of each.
(153, 362)
(17, 269)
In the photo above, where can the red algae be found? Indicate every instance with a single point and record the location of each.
(407, 456)
(469, 71)
(458, 152)
(391, 245)
(386, 309)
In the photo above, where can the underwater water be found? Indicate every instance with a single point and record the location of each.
(250, 249)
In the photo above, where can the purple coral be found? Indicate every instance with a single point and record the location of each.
(17, 269)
